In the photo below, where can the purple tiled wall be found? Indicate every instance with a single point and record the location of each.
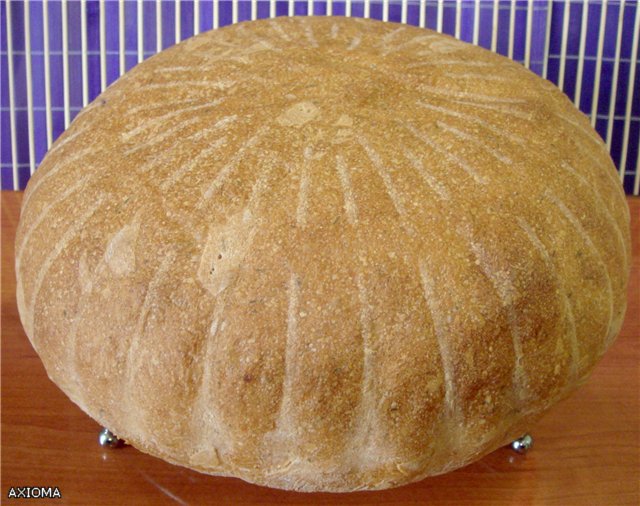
(539, 55)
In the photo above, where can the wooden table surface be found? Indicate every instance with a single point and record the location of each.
(587, 449)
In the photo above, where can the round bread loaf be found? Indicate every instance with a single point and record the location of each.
(323, 253)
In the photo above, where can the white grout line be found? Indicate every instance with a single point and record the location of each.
(158, 26)
(440, 16)
(47, 72)
(476, 22)
(494, 25)
(177, 24)
(234, 11)
(14, 141)
(148, 52)
(630, 93)
(4, 165)
(614, 79)
(485, 5)
(385, 10)
(65, 63)
(588, 57)
(583, 40)
(140, 31)
(596, 82)
(527, 47)
(216, 12)
(196, 16)
(423, 13)
(636, 181)
(29, 76)
(618, 117)
(9, 165)
(121, 40)
(512, 24)
(40, 108)
(547, 39)
(563, 46)
(85, 62)
(103, 47)
(458, 18)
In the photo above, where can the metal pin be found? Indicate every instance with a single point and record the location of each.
(108, 438)
(522, 445)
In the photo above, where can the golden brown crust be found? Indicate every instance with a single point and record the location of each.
(323, 253)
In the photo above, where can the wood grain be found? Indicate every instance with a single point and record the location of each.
(587, 450)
